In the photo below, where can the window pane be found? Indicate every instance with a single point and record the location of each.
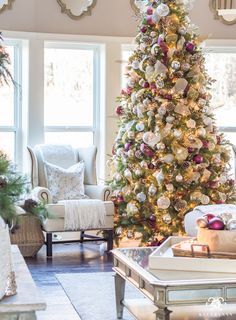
(7, 144)
(68, 87)
(7, 96)
(222, 68)
(76, 139)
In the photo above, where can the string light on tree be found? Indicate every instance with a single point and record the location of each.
(168, 156)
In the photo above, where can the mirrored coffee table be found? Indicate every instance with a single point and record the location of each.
(167, 290)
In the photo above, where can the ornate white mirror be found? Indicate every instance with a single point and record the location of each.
(224, 10)
(76, 8)
(138, 5)
(5, 4)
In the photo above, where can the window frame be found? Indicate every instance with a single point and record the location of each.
(96, 48)
(16, 128)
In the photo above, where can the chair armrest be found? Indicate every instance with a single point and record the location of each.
(41, 194)
(100, 192)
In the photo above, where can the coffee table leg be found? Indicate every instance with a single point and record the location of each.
(120, 294)
(163, 314)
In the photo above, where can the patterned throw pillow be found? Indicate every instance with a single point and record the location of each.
(65, 184)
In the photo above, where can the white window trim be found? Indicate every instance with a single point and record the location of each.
(16, 128)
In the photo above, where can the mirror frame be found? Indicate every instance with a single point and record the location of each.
(213, 8)
(7, 6)
(68, 11)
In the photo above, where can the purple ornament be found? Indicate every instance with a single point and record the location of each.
(152, 218)
(143, 29)
(216, 224)
(127, 146)
(190, 47)
(147, 151)
(168, 96)
(198, 159)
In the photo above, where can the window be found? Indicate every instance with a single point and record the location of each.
(10, 106)
(71, 93)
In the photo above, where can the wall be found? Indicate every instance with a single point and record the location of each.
(109, 17)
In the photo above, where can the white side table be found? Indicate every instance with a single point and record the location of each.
(27, 301)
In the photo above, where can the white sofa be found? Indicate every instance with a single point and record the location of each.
(64, 156)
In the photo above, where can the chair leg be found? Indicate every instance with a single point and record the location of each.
(110, 240)
(49, 244)
(82, 236)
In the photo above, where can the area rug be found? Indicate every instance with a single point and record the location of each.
(93, 294)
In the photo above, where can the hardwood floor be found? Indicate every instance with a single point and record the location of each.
(67, 258)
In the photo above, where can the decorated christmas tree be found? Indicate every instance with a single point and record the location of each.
(168, 156)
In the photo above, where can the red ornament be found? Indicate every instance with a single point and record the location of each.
(209, 216)
(198, 159)
(119, 110)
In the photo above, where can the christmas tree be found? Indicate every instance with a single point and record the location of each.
(168, 156)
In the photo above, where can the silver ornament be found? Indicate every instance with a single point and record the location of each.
(182, 30)
(167, 218)
(160, 83)
(231, 225)
(140, 126)
(141, 197)
(138, 172)
(135, 64)
(179, 178)
(131, 134)
(170, 119)
(162, 111)
(162, 10)
(118, 177)
(118, 231)
(130, 153)
(127, 173)
(175, 65)
(152, 190)
(180, 205)
(205, 200)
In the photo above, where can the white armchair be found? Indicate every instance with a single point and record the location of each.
(65, 156)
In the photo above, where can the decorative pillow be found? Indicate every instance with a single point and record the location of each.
(65, 184)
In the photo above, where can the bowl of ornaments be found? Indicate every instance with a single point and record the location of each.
(218, 232)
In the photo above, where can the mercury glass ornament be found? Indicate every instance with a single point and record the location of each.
(185, 66)
(170, 119)
(141, 197)
(160, 83)
(177, 133)
(175, 65)
(162, 111)
(131, 208)
(167, 218)
(162, 10)
(170, 187)
(179, 178)
(205, 200)
(152, 190)
(163, 203)
(191, 123)
(180, 205)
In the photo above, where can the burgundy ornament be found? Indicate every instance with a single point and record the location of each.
(164, 47)
(231, 182)
(209, 216)
(218, 138)
(216, 224)
(119, 110)
(143, 29)
(190, 150)
(146, 85)
(198, 159)
(150, 21)
(120, 199)
(190, 47)
(219, 202)
(151, 166)
(149, 11)
(152, 218)
(146, 150)
(168, 96)
(153, 86)
(205, 144)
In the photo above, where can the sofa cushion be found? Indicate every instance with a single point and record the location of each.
(65, 184)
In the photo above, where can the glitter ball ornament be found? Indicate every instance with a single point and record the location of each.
(179, 178)
(163, 203)
(141, 197)
(167, 218)
(152, 190)
(205, 200)
(175, 65)
(162, 10)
